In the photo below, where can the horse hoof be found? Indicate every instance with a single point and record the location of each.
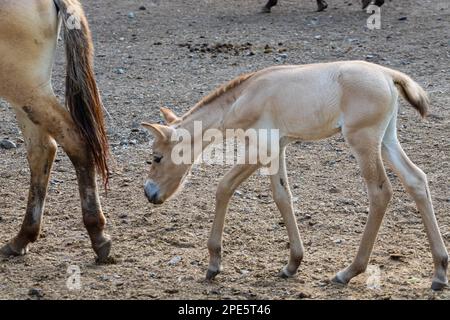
(103, 251)
(265, 10)
(285, 274)
(338, 280)
(365, 3)
(211, 274)
(7, 251)
(322, 7)
(437, 285)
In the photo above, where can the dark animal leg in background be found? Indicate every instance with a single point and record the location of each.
(321, 5)
(365, 3)
(269, 5)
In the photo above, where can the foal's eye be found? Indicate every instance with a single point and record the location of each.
(157, 159)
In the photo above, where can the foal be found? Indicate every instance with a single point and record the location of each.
(27, 49)
(308, 102)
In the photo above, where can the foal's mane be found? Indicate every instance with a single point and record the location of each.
(220, 91)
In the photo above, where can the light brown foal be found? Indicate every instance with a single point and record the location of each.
(308, 102)
(28, 37)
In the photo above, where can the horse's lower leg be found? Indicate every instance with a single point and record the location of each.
(321, 5)
(269, 5)
(367, 151)
(415, 182)
(365, 3)
(45, 111)
(283, 199)
(41, 150)
(225, 190)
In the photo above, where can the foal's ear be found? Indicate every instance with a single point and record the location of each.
(159, 130)
(169, 115)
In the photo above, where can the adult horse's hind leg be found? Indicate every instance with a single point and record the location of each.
(41, 149)
(415, 182)
(44, 111)
(366, 146)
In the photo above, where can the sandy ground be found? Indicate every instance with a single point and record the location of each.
(155, 58)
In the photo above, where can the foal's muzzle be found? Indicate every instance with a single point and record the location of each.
(152, 192)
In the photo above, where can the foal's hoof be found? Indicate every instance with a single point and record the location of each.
(7, 251)
(265, 10)
(285, 274)
(437, 285)
(211, 274)
(103, 251)
(339, 280)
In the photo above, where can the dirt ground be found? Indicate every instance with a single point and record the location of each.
(172, 54)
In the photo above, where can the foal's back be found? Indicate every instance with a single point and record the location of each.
(311, 102)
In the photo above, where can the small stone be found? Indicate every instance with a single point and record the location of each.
(338, 241)
(175, 260)
(334, 189)
(283, 56)
(142, 8)
(35, 292)
(318, 37)
(238, 193)
(120, 71)
(245, 272)
(402, 18)
(7, 144)
(123, 216)
(370, 56)
(131, 15)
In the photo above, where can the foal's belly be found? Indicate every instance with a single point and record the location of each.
(314, 123)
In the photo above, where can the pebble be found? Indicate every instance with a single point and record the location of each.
(120, 71)
(175, 260)
(338, 241)
(131, 15)
(35, 292)
(142, 8)
(318, 37)
(7, 144)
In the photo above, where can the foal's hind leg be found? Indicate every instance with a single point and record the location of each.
(41, 150)
(43, 109)
(415, 182)
(366, 147)
(283, 198)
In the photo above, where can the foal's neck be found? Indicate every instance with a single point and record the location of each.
(208, 116)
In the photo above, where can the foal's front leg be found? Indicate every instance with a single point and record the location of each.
(41, 150)
(283, 198)
(225, 190)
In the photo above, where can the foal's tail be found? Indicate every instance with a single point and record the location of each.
(82, 96)
(411, 91)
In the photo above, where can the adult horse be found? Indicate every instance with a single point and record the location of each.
(28, 38)
(321, 4)
(308, 102)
